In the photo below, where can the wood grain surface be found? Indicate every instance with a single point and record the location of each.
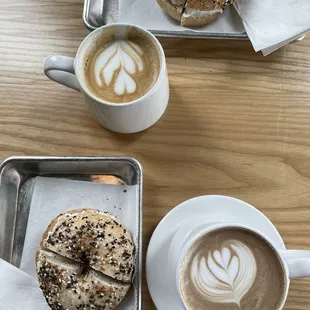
(237, 123)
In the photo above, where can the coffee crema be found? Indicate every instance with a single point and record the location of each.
(121, 67)
(231, 269)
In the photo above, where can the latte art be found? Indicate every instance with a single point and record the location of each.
(121, 66)
(232, 269)
(123, 58)
(226, 275)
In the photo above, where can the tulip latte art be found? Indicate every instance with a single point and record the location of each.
(226, 275)
(232, 269)
(122, 67)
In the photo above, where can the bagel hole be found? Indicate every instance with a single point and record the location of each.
(85, 270)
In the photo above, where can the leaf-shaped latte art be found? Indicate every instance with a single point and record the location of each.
(226, 275)
(124, 58)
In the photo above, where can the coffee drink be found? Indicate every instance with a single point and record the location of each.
(232, 269)
(121, 66)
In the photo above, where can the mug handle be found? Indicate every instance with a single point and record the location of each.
(61, 70)
(298, 262)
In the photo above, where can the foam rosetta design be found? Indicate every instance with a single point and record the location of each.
(123, 58)
(225, 277)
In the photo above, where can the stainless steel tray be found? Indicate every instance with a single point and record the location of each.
(17, 176)
(101, 12)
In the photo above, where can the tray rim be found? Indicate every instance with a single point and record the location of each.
(137, 165)
(10, 159)
(174, 34)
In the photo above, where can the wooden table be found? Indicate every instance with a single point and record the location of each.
(237, 123)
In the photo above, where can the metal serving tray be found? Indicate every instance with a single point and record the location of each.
(17, 177)
(102, 12)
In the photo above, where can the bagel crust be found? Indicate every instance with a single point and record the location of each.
(173, 8)
(85, 261)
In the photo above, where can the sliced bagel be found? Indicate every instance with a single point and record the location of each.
(68, 285)
(195, 12)
(85, 261)
(92, 237)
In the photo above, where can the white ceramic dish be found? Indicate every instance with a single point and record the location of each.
(214, 209)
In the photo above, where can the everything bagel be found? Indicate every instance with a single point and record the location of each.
(85, 261)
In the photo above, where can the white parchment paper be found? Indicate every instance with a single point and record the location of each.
(148, 14)
(53, 196)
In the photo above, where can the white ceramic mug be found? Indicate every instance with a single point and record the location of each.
(295, 263)
(128, 117)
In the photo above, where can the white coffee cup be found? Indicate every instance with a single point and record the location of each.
(129, 117)
(295, 263)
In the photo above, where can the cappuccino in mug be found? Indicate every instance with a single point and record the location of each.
(121, 72)
(231, 269)
(122, 65)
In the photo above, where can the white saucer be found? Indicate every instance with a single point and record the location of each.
(214, 209)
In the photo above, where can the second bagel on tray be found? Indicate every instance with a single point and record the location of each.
(194, 12)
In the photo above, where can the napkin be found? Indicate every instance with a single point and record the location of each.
(271, 24)
(18, 290)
